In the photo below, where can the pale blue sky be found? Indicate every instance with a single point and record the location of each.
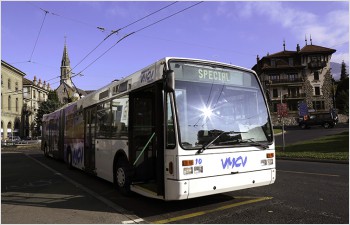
(231, 32)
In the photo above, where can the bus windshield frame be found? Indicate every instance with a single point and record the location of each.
(218, 106)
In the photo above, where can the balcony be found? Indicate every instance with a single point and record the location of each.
(317, 64)
(290, 96)
(286, 81)
(294, 96)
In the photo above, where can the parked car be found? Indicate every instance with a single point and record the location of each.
(327, 120)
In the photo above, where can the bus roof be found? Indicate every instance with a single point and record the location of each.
(142, 77)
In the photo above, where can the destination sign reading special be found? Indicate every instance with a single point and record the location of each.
(213, 75)
(207, 75)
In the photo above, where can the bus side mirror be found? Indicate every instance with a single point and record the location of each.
(169, 80)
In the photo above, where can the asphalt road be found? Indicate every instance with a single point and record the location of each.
(36, 189)
(295, 134)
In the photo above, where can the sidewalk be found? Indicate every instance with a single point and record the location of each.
(33, 193)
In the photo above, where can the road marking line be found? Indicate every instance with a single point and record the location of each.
(191, 215)
(3, 152)
(133, 221)
(111, 204)
(319, 174)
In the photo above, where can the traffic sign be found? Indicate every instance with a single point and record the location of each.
(282, 109)
(303, 110)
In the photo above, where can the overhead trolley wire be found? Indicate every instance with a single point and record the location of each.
(148, 15)
(31, 56)
(67, 18)
(143, 28)
(168, 17)
(111, 33)
(116, 31)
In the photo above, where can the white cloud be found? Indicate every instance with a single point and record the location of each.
(327, 29)
(340, 57)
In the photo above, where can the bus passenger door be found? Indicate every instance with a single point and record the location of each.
(145, 138)
(89, 139)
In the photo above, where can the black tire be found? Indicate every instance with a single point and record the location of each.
(122, 178)
(69, 160)
(46, 154)
(326, 125)
(303, 126)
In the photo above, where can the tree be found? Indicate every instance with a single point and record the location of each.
(51, 104)
(343, 102)
(343, 73)
(342, 96)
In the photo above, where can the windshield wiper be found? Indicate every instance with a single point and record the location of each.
(254, 143)
(205, 146)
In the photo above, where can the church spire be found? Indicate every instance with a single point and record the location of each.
(65, 58)
(65, 66)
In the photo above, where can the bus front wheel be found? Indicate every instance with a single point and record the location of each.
(122, 179)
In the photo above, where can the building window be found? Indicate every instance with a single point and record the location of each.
(9, 84)
(293, 92)
(9, 103)
(274, 77)
(275, 107)
(317, 91)
(16, 86)
(16, 104)
(34, 94)
(290, 61)
(275, 93)
(273, 62)
(318, 105)
(316, 75)
(293, 106)
(292, 76)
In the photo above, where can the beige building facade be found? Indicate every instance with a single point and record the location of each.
(34, 92)
(11, 100)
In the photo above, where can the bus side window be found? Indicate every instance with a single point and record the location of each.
(119, 127)
(103, 120)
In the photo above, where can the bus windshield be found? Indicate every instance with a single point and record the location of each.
(219, 107)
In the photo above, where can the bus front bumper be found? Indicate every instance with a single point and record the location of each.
(184, 189)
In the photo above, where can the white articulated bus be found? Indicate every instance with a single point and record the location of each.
(177, 129)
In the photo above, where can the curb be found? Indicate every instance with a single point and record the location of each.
(315, 160)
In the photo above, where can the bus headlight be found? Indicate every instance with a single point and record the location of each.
(188, 170)
(265, 162)
(269, 161)
(198, 169)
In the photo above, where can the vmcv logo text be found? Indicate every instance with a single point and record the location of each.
(233, 162)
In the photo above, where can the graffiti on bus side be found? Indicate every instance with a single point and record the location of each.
(77, 156)
(233, 162)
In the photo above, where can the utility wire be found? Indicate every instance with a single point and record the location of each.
(147, 16)
(102, 54)
(31, 56)
(137, 32)
(116, 32)
(68, 18)
(168, 17)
